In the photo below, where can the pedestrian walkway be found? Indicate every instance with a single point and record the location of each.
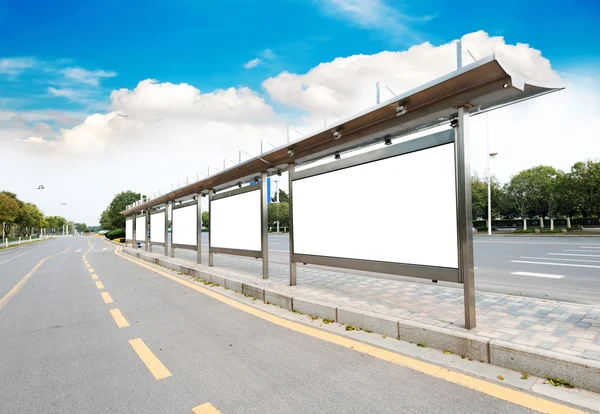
(565, 328)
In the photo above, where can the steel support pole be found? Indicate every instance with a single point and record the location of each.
(464, 216)
(291, 168)
(146, 228)
(172, 249)
(211, 255)
(198, 228)
(264, 225)
(166, 230)
(133, 226)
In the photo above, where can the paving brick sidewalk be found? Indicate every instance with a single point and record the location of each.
(561, 327)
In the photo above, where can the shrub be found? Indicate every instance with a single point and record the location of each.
(113, 234)
(521, 231)
(552, 231)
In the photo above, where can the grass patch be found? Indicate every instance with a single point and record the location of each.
(326, 321)
(351, 328)
(447, 352)
(557, 382)
(524, 376)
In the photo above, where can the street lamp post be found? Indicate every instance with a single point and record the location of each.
(277, 199)
(489, 179)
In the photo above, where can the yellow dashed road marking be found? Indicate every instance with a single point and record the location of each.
(152, 362)
(119, 318)
(476, 384)
(106, 297)
(206, 408)
(90, 270)
(94, 276)
(99, 285)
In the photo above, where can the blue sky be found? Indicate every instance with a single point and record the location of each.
(206, 43)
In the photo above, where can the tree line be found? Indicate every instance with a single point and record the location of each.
(541, 192)
(23, 219)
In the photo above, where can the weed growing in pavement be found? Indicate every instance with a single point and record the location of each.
(367, 330)
(557, 382)
(422, 345)
(312, 317)
(524, 376)
(351, 328)
(326, 321)
(447, 352)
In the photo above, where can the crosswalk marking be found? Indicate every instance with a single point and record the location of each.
(556, 264)
(558, 258)
(546, 275)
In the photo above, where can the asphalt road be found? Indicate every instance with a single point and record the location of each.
(62, 350)
(555, 268)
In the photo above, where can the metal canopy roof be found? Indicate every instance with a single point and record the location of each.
(483, 85)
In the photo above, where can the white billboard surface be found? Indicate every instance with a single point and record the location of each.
(140, 228)
(399, 210)
(183, 226)
(235, 222)
(157, 227)
(129, 229)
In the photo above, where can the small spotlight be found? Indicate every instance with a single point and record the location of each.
(338, 133)
(256, 179)
(454, 123)
(291, 151)
(337, 156)
(505, 85)
(387, 140)
(401, 109)
(194, 198)
(214, 191)
(279, 173)
(179, 201)
(239, 184)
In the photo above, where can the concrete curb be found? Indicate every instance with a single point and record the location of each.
(582, 373)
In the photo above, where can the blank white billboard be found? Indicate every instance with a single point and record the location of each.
(235, 221)
(129, 229)
(157, 227)
(183, 226)
(140, 228)
(399, 210)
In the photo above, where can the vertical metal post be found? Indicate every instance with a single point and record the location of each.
(133, 226)
(198, 228)
(211, 255)
(264, 227)
(464, 216)
(378, 93)
(172, 250)
(147, 232)
(167, 229)
(291, 168)
(459, 54)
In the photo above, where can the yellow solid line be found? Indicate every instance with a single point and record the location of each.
(152, 362)
(94, 276)
(106, 297)
(119, 318)
(16, 288)
(99, 285)
(206, 408)
(476, 384)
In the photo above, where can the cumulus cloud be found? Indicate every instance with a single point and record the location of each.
(252, 63)
(347, 85)
(86, 77)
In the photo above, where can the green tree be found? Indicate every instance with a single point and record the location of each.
(81, 227)
(206, 219)
(479, 197)
(586, 179)
(111, 217)
(283, 197)
(9, 207)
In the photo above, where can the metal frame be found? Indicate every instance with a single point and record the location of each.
(464, 213)
(134, 241)
(198, 228)
(151, 243)
(132, 217)
(399, 269)
(147, 246)
(291, 172)
(258, 254)
(174, 246)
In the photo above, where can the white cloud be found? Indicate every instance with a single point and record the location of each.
(268, 54)
(347, 85)
(252, 63)
(15, 66)
(86, 77)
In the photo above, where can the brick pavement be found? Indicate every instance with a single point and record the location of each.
(565, 328)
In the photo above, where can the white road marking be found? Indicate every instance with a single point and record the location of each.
(589, 247)
(555, 264)
(13, 258)
(564, 260)
(77, 251)
(574, 254)
(538, 275)
(582, 251)
(106, 248)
